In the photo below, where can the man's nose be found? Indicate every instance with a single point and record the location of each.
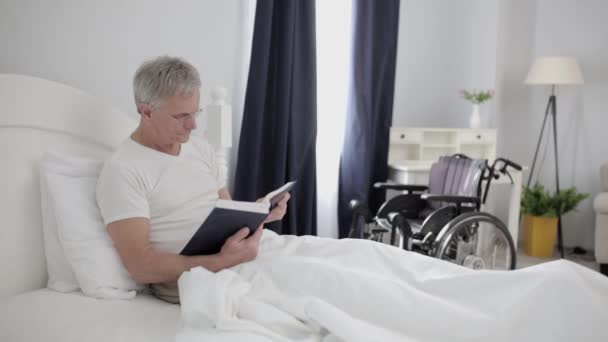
(190, 122)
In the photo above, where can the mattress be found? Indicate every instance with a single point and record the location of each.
(47, 315)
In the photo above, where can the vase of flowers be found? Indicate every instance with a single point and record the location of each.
(476, 98)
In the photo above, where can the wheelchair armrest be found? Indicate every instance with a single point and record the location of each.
(410, 188)
(458, 199)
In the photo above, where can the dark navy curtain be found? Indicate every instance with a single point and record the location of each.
(370, 108)
(279, 128)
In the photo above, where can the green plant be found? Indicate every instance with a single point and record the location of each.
(536, 201)
(477, 97)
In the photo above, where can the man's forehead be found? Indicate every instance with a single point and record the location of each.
(183, 100)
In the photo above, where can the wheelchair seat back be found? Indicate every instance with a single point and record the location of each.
(454, 175)
(450, 175)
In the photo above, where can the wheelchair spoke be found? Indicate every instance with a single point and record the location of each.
(478, 243)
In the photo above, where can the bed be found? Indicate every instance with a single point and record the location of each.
(299, 288)
(47, 315)
(39, 116)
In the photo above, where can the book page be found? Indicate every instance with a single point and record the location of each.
(284, 188)
(257, 207)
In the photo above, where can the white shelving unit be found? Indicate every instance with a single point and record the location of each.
(420, 147)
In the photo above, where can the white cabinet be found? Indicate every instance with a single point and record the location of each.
(420, 147)
(412, 151)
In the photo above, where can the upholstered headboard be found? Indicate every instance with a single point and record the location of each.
(36, 116)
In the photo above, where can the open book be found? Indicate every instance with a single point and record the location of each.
(228, 217)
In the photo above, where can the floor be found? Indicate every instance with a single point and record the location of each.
(587, 259)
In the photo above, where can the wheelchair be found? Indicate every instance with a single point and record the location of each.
(444, 219)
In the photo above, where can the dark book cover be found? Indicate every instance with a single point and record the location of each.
(227, 218)
(221, 224)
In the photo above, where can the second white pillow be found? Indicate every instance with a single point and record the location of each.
(83, 236)
(61, 277)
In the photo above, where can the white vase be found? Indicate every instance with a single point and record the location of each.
(475, 119)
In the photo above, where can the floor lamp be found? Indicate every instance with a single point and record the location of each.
(553, 71)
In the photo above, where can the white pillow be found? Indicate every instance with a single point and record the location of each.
(83, 236)
(61, 276)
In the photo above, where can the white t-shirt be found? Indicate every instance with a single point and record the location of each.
(176, 193)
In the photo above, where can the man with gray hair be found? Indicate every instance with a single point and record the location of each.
(161, 183)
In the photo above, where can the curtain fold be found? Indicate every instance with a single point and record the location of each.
(279, 127)
(370, 109)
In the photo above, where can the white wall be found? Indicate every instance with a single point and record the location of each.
(561, 27)
(515, 37)
(444, 46)
(96, 46)
(243, 43)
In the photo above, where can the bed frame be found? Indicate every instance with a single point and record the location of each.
(36, 116)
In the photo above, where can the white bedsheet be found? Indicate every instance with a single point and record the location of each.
(313, 289)
(46, 315)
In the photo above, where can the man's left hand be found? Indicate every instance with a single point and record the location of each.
(279, 211)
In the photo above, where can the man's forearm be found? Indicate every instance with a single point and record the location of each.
(161, 267)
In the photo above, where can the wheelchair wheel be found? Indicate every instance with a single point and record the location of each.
(476, 240)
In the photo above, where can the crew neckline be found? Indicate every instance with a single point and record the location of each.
(142, 146)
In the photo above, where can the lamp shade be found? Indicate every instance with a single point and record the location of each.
(555, 70)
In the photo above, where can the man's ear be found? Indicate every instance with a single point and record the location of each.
(144, 110)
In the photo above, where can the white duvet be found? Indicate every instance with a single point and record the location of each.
(315, 289)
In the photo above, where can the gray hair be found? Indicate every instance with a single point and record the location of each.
(163, 77)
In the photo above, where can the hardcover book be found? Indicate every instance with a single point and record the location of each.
(228, 217)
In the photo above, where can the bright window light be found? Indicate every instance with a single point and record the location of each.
(333, 65)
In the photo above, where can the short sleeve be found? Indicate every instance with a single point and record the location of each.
(121, 193)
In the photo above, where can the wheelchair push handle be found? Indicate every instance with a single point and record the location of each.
(493, 174)
(507, 162)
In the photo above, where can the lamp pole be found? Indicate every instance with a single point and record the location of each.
(542, 131)
(560, 243)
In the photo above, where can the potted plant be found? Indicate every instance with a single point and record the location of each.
(541, 210)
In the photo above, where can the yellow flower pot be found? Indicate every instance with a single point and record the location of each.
(540, 234)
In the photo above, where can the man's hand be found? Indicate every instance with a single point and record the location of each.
(239, 248)
(279, 211)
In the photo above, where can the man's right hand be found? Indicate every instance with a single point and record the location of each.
(239, 248)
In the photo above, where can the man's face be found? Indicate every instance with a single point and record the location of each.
(174, 119)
